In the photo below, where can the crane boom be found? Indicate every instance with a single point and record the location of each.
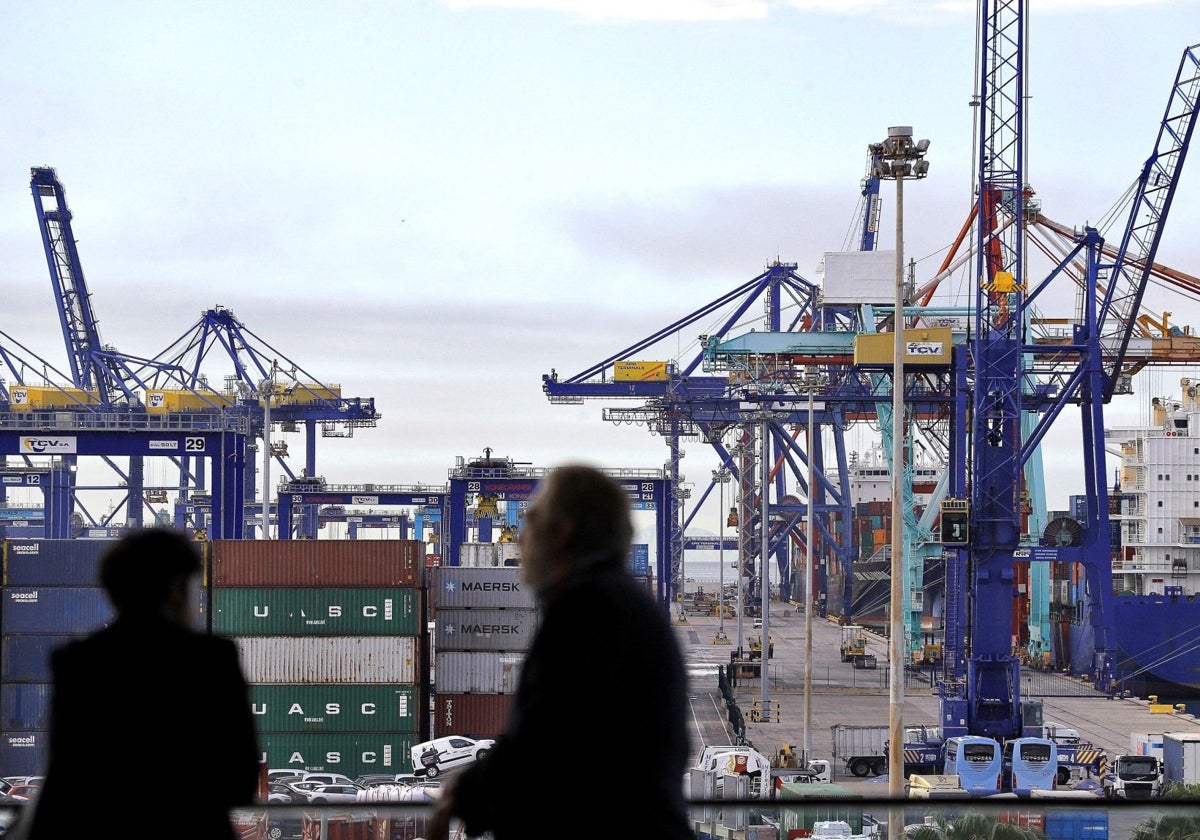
(79, 326)
(1155, 190)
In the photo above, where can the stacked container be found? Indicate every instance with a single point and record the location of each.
(51, 595)
(484, 621)
(327, 632)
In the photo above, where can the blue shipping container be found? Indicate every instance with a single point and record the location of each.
(26, 658)
(24, 706)
(23, 753)
(1076, 825)
(639, 559)
(54, 609)
(53, 562)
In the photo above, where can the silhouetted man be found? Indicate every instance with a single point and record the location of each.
(151, 733)
(596, 745)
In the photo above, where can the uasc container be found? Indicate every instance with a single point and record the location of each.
(352, 754)
(296, 611)
(334, 708)
(328, 659)
(359, 563)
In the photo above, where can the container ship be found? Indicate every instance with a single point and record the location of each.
(1155, 510)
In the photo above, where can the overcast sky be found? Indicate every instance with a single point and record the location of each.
(435, 203)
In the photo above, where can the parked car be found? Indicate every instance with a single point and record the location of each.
(328, 778)
(373, 779)
(326, 794)
(304, 786)
(284, 793)
(23, 793)
(432, 757)
(279, 773)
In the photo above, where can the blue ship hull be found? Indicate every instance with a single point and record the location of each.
(1157, 639)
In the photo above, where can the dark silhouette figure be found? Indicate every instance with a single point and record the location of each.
(151, 733)
(604, 673)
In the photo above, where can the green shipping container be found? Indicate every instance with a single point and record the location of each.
(795, 816)
(302, 611)
(353, 753)
(334, 708)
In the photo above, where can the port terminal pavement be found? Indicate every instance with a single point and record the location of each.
(843, 694)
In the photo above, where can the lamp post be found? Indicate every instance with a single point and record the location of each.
(897, 158)
(721, 476)
(812, 382)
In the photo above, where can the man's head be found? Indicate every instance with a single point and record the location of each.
(148, 571)
(577, 512)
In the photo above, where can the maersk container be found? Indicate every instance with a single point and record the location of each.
(55, 610)
(471, 715)
(334, 708)
(456, 587)
(24, 706)
(479, 629)
(294, 611)
(357, 563)
(53, 562)
(24, 753)
(328, 659)
(351, 754)
(477, 554)
(26, 657)
(1181, 757)
(478, 671)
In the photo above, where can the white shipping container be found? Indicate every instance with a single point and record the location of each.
(482, 629)
(478, 671)
(1146, 743)
(477, 554)
(328, 659)
(456, 587)
(508, 554)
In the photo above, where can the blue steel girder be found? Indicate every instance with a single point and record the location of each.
(1155, 190)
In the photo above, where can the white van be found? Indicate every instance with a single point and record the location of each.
(433, 757)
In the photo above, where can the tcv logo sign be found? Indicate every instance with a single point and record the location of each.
(40, 445)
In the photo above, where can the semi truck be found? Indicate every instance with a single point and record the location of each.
(1134, 777)
(862, 748)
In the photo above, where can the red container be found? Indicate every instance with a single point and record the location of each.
(370, 563)
(472, 715)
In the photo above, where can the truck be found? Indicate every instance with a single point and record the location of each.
(1181, 757)
(721, 761)
(862, 748)
(1134, 777)
(854, 642)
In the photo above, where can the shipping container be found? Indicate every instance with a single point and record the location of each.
(481, 629)
(56, 610)
(327, 611)
(471, 715)
(352, 754)
(456, 587)
(838, 803)
(378, 707)
(24, 706)
(298, 563)
(478, 671)
(23, 753)
(508, 554)
(26, 658)
(477, 554)
(328, 659)
(161, 401)
(53, 562)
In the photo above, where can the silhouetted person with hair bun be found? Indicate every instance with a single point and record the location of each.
(140, 701)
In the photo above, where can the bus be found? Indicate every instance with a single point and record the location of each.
(1030, 764)
(976, 760)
